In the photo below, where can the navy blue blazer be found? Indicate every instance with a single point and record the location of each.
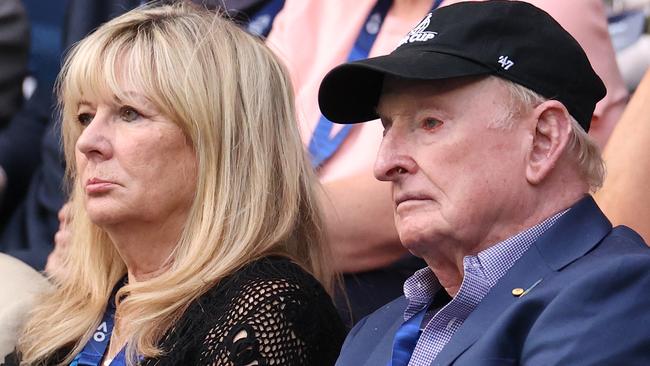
(592, 306)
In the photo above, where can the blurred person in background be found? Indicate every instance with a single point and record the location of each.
(14, 48)
(625, 197)
(20, 287)
(20, 148)
(194, 219)
(628, 25)
(312, 37)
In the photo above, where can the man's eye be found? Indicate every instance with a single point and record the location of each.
(129, 114)
(431, 123)
(85, 119)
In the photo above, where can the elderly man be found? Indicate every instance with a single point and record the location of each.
(485, 107)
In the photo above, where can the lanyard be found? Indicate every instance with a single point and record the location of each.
(406, 338)
(262, 22)
(93, 351)
(321, 145)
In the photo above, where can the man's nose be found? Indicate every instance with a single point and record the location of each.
(393, 159)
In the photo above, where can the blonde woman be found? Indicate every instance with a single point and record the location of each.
(195, 227)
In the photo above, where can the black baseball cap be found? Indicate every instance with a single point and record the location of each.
(513, 40)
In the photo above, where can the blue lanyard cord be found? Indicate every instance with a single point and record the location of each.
(322, 145)
(261, 22)
(94, 350)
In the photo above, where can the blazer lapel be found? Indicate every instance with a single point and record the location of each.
(383, 350)
(575, 233)
(528, 270)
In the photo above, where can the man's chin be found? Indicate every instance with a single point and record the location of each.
(415, 244)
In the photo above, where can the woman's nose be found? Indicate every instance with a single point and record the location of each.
(95, 141)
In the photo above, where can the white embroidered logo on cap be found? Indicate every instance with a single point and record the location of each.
(505, 62)
(418, 34)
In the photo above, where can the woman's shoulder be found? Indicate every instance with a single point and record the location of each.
(273, 266)
(273, 271)
(270, 310)
(270, 286)
(265, 278)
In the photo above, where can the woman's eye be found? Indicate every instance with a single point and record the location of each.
(431, 123)
(129, 114)
(85, 119)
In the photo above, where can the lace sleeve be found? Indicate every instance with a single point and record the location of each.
(270, 312)
(271, 322)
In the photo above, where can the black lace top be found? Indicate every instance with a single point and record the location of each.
(270, 312)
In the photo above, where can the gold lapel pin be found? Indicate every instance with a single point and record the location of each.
(519, 292)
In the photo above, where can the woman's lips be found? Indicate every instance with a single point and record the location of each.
(97, 186)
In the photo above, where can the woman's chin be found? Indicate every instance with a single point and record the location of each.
(102, 216)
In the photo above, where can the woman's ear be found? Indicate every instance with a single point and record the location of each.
(550, 140)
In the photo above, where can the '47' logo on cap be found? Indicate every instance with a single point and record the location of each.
(505, 62)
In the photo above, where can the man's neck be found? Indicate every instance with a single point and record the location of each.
(446, 259)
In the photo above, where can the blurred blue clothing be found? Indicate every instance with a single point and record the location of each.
(46, 18)
(31, 201)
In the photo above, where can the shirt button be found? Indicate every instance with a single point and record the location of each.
(451, 323)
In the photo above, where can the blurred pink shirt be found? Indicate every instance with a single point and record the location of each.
(314, 36)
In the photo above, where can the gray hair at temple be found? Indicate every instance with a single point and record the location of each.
(581, 147)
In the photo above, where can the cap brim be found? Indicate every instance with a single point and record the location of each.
(349, 93)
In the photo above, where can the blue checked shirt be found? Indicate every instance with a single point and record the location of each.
(481, 272)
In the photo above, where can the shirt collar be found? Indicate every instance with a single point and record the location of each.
(493, 262)
(496, 260)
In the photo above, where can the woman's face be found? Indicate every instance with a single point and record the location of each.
(134, 164)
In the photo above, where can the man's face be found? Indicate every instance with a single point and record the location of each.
(457, 180)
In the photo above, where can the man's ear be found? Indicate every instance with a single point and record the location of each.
(551, 137)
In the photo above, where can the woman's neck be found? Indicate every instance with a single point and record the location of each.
(145, 250)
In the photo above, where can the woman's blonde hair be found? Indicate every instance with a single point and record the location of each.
(255, 191)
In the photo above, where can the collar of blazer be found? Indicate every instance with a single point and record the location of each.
(573, 235)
